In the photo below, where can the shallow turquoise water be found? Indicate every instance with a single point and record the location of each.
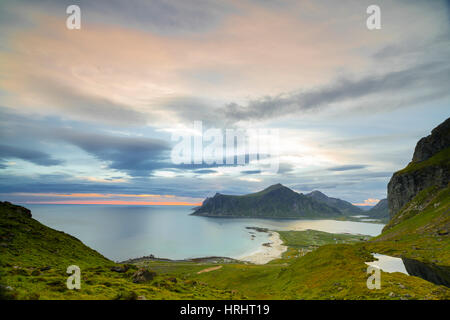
(123, 232)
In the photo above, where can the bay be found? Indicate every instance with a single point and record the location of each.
(123, 232)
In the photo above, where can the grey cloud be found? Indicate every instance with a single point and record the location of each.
(205, 171)
(36, 157)
(161, 16)
(347, 167)
(136, 155)
(86, 107)
(435, 46)
(251, 172)
(415, 81)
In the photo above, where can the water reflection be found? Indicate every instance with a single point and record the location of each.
(388, 263)
(436, 274)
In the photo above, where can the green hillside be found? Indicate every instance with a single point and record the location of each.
(420, 230)
(34, 260)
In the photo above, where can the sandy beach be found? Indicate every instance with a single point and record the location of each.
(267, 253)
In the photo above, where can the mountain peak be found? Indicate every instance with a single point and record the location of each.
(318, 193)
(438, 140)
(274, 187)
(342, 205)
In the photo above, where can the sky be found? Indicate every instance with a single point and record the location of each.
(88, 116)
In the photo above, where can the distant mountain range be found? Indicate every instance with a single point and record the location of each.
(343, 206)
(380, 211)
(276, 201)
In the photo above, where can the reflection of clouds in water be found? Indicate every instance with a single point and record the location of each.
(388, 263)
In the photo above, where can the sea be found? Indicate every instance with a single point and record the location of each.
(123, 232)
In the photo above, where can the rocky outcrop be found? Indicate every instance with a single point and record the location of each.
(12, 209)
(438, 140)
(437, 274)
(143, 275)
(429, 167)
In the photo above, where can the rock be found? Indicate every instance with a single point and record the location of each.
(391, 294)
(120, 269)
(401, 286)
(434, 143)
(403, 186)
(439, 275)
(141, 298)
(35, 273)
(9, 288)
(143, 275)
(174, 280)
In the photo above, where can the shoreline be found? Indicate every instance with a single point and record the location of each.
(267, 253)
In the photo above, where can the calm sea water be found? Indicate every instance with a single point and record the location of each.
(123, 232)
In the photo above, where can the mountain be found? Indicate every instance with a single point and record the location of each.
(276, 201)
(430, 166)
(380, 211)
(343, 206)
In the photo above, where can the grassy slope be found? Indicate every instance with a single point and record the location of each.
(27, 246)
(330, 272)
(420, 229)
(333, 271)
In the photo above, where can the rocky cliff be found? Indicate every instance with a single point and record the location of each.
(429, 167)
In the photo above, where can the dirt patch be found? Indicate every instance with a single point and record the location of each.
(209, 269)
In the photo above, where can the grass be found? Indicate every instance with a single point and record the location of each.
(330, 271)
(420, 229)
(441, 159)
(309, 239)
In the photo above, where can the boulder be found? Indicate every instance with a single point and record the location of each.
(143, 275)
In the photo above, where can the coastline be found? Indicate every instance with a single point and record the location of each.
(267, 253)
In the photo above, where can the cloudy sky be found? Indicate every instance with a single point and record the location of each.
(87, 116)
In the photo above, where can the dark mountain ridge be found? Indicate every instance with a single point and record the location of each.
(343, 206)
(380, 211)
(276, 201)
